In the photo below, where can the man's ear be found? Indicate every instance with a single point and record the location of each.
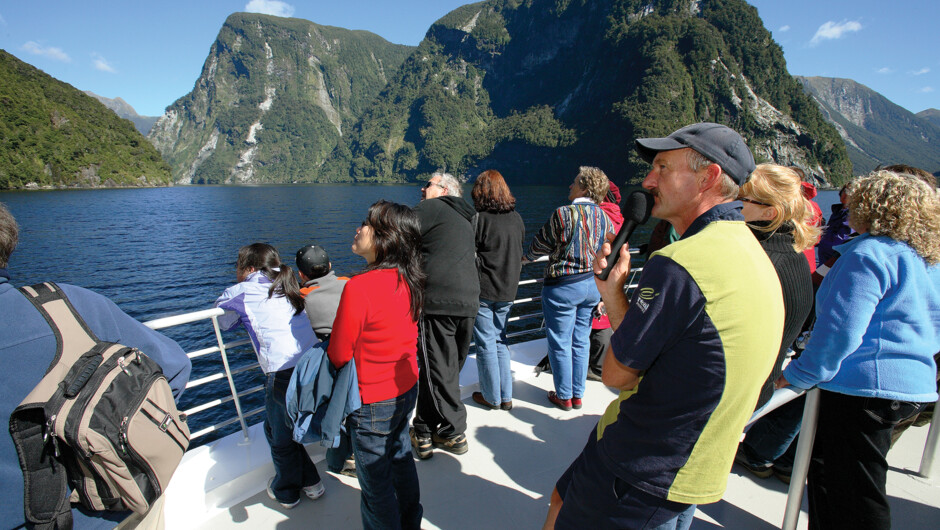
(711, 176)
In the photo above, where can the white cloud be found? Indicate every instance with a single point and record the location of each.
(885, 70)
(51, 52)
(102, 64)
(784, 29)
(270, 7)
(922, 71)
(3, 20)
(831, 30)
(926, 90)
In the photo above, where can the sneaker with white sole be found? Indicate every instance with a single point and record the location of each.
(285, 505)
(315, 492)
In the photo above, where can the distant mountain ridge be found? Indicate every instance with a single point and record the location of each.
(273, 99)
(876, 131)
(931, 115)
(126, 111)
(54, 136)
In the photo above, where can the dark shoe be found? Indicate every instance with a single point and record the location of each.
(782, 473)
(455, 444)
(575, 403)
(478, 397)
(741, 459)
(563, 404)
(591, 376)
(421, 445)
(349, 467)
(506, 405)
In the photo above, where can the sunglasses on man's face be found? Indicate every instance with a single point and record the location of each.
(429, 183)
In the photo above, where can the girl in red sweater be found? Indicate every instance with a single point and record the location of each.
(377, 326)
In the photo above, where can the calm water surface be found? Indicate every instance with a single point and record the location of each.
(164, 251)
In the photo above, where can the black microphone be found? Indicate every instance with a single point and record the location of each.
(636, 209)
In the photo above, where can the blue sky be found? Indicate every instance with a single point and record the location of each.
(150, 53)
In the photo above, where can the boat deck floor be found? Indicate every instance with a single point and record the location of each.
(515, 457)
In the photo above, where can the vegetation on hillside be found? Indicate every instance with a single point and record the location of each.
(53, 135)
(273, 97)
(538, 88)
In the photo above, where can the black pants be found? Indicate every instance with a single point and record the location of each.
(443, 343)
(847, 474)
(600, 340)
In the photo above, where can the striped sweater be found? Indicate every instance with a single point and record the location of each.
(570, 237)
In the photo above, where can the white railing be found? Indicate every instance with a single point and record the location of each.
(779, 398)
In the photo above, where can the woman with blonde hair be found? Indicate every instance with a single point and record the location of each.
(871, 352)
(570, 238)
(783, 221)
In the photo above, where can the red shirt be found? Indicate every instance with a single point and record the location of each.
(374, 326)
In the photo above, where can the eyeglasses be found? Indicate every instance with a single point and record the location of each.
(752, 201)
(429, 183)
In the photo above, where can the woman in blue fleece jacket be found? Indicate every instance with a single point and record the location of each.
(871, 352)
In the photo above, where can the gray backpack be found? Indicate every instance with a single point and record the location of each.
(100, 428)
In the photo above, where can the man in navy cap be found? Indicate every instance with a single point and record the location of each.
(689, 352)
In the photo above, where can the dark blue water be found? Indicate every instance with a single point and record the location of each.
(165, 251)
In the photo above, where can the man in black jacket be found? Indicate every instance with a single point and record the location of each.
(451, 300)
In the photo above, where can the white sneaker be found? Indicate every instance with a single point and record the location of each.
(285, 505)
(315, 492)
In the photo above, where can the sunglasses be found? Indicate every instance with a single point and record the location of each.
(428, 184)
(752, 201)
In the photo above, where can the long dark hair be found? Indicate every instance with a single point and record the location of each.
(396, 235)
(491, 194)
(263, 257)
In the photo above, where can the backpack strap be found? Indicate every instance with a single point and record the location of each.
(46, 490)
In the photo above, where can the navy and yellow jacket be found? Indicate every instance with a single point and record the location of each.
(704, 326)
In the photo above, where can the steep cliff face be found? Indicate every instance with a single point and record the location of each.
(875, 130)
(273, 99)
(537, 88)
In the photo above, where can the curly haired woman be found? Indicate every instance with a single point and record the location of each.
(570, 238)
(871, 353)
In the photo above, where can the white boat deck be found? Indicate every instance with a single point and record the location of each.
(504, 481)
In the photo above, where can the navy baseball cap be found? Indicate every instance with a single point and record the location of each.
(715, 142)
(313, 261)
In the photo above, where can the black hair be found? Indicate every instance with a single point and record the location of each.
(263, 257)
(396, 235)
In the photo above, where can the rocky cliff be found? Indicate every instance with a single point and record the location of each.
(274, 98)
(875, 130)
(536, 88)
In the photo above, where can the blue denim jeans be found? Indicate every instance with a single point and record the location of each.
(386, 470)
(293, 468)
(489, 333)
(769, 437)
(567, 310)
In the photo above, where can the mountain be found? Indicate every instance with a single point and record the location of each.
(875, 130)
(124, 110)
(53, 135)
(536, 88)
(931, 115)
(274, 97)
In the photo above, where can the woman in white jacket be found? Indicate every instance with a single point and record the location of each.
(267, 301)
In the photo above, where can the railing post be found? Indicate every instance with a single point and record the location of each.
(228, 375)
(804, 451)
(930, 448)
